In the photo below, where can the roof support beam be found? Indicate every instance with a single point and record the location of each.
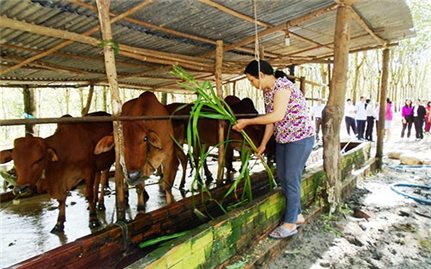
(282, 26)
(234, 13)
(161, 28)
(66, 55)
(67, 43)
(365, 25)
(193, 63)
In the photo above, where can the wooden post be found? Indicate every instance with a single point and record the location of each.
(302, 85)
(218, 82)
(382, 109)
(89, 99)
(333, 112)
(329, 75)
(29, 108)
(111, 72)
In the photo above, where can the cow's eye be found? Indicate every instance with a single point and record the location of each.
(146, 138)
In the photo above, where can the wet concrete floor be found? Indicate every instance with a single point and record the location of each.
(25, 224)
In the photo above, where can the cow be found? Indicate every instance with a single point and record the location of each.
(58, 163)
(255, 132)
(208, 131)
(148, 144)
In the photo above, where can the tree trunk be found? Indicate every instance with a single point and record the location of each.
(85, 110)
(334, 110)
(382, 110)
(29, 108)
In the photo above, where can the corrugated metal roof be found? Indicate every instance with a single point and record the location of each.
(391, 20)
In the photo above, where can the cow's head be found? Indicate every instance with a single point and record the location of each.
(143, 151)
(31, 156)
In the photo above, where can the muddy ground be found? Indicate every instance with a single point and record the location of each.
(378, 228)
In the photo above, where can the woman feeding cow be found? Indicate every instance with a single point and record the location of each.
(286, 117)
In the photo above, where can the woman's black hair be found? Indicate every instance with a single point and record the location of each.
(280, 74)
(408, 105)
(388, 101)
(253, 69)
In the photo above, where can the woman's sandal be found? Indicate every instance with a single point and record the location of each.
(282, 232)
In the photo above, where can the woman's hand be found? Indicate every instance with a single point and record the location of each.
(404, 120)
(240, 125)
(260, 150)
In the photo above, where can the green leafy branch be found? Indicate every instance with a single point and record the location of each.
(208, 105)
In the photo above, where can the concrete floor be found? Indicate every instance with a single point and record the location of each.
(25, 224)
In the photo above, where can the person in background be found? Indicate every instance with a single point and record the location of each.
(376, 117)
(428, 118)
(287, 118)
(361, 118)
(370, 120)
(349, 117)
(388, 119)
(419, 112)
(316, 114)
(407, 118)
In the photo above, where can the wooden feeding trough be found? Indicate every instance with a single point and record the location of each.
(207, 242)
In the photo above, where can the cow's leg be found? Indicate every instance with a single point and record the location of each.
(96, 187)
(142, 196)
(208, 174)
(89, 186)
(59, 226)
(170, 167)
(183, 160)
(229, 162)
(103, 181)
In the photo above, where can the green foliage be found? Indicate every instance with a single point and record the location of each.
(157, 240)
(208, 105)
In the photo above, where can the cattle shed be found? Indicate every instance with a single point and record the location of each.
(46, 41)
(133, 45)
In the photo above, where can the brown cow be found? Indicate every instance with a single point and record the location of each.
(208, 131)
(58, 163)
(148, 144)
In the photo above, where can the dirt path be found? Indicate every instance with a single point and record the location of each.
(395, 233)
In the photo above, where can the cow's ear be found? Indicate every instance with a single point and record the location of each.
(52, 155)
(105, 144)
(6, 155)
(154, 140)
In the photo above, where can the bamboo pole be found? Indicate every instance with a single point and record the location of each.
(195, 63)
(333, 112)
(282, 26)
(67, 43)
(89, 99)
(111, 73)
(163, 29)
(365, 25)
(219, 88)
(382, 109)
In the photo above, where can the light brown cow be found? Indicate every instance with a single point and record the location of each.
(148, 144)
(58, 163)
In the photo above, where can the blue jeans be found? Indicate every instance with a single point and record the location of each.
(290, 160)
